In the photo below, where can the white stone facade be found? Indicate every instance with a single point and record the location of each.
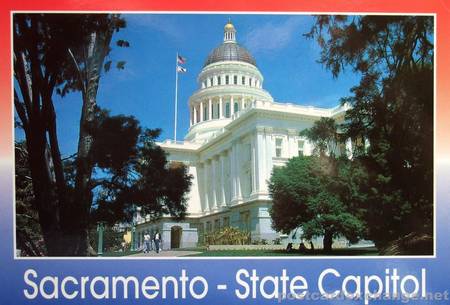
(237, 135)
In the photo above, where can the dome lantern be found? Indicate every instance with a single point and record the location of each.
(229, 33)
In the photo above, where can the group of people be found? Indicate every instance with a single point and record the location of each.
(302, 248)
(149, 242)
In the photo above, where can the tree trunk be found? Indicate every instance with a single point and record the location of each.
(81, 206)
(64, 220)
(328, 241)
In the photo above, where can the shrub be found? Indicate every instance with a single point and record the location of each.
(227, 236)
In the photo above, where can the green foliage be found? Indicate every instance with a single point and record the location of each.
(324, 135)
(312, 193)
(116, 139)
(374, 44)
(228, 236)
(112, 239)
(132, 171)
(28, 231)
(392, 107)
(121, 65)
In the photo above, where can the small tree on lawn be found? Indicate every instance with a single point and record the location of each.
(308, 193)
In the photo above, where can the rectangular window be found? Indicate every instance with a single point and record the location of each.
(226, 222)
(227, 80)
(208, 226)
(301, 145)
(219, 80)
(235, 79)
(243, 80)
(245, 221)
(278, 147)
(216, 224)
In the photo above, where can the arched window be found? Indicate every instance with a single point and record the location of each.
(227, 110)
(236, 107)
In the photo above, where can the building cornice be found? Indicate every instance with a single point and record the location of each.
(260, 110)
(229, 90)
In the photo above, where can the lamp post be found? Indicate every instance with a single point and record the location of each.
(135, 221)
(133, 237)
(100, 230)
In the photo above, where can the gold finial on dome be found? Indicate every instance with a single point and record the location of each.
(229, 25)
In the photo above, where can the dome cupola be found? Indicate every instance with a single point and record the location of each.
(229, 50)
(229, 33)
(229, 85)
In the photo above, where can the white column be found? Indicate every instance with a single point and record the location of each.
(238, 171)
(206, 185)
(269, 154)
(242, 102)
(254, 163)
(201, 185)
(233, 171)
(201, 111)
(209, 109)
(214, 184)
(195, 115)
(191, 116)
(349, 148)
(220, 108)
(292, 151)
(261, 159)
(232, 105)
(222, 181)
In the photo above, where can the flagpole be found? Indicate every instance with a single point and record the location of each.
(176, 99)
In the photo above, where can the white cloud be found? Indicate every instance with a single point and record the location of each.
(274, 36)
(155, 23)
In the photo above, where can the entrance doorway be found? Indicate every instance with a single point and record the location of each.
(175, 237)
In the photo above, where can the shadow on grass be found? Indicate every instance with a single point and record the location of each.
(336, 252)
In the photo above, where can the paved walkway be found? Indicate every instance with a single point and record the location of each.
(166, 253)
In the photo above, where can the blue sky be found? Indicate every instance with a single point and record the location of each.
(145, 88)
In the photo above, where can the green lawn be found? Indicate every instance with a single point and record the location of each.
(118, 254)
(336, 252)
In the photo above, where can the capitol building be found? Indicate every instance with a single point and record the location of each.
(238, 133)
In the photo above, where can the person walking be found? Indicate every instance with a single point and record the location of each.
(157, 240)
(147, 242)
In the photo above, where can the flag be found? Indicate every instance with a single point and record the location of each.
(181, 60)
(180, 69)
